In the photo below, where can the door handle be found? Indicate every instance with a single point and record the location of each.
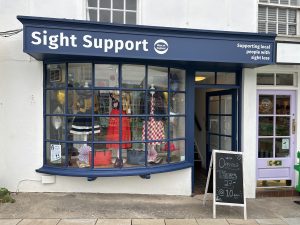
(294, 126)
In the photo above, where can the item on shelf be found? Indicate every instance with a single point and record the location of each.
(101, 158)
(172, 147)
(136, 157)
(84, 152)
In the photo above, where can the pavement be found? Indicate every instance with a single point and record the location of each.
(125, 209)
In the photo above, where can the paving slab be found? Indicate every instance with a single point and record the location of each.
(39, 222)
(270, 221)
(77, 222)
(212, 222)
(113, 222)
(9, 221)
(181, 222)
(148, 222)
(242, 222)
(292, 221)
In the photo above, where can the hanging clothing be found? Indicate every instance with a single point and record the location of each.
(155, 130)
(113, 130)
(83, 125)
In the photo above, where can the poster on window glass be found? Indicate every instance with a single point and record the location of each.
(285, 143)
(55, 151)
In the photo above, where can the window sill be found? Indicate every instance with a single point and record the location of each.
(92, 174)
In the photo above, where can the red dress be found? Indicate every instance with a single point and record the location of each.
(113, 130)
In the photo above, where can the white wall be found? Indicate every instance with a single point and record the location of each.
(230, 15)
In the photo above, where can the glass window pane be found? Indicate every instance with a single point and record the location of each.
(177, 101)
(56, 76)
(282, 28)
(177, 79)
(205, 78)
(265, 147)
(226, 143)
(103, 102)
(285, 79)
(92, 3)
(103, 158)
(214, 104)
(283, 104)
(282, 147)
(118, 4)
(118, 17)
(80, 102)
(103, 122)
(226, 125)
(55, 154)
(226, 78)
(133, 102)
(135, 157)
(130, 17)
(214, 142)
(105, 4)
(158, 78)
(131, 4)
(156, 155)
(157, 103)
(55, 101)
(214, 124)
(265, 126)
(177, 127)
(265, 79)
(156, 129)
(177, 150)
(226, 104)
(92, 15)
(282, 126)
(292, 30)
(272, 27)
(137, 125)
(105, 16)
(55, 128)
(80, 75)
(266, 104)
(133, 76)
(80, 128)
(106, 75)
(79, 155)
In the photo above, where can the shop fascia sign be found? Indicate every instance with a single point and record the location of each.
(56, 41)
(42, 41)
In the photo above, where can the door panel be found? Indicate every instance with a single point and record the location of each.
(276, 140)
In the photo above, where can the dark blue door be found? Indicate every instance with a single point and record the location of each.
(221, 121)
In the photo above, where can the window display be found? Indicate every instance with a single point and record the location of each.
(114, 116)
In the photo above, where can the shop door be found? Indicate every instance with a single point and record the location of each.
(221, 112)
(276, 138)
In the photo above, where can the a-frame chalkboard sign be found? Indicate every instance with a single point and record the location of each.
(228, 183)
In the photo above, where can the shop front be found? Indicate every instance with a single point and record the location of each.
(121, 100)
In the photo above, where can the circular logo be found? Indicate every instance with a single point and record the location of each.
(161, 46)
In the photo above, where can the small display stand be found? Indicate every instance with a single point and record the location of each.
(228, 183)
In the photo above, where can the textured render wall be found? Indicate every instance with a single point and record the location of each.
(21, 121)
(230, 15)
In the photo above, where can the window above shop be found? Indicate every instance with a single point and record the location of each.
(112, 11)
(214, 78)
(114, 116)
(277, 79)
(278, 16)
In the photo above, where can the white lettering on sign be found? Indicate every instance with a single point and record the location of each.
(256, 52)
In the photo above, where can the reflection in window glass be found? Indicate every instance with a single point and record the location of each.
(214, 104)
(105, 3)
(56, 101)
(105, 16)
(133, 76)
(131, 4)
(106, 75)
(130, 18)
(80, 75)
(226, 78)
(226, 143)
(265, 126)
(214, 124)
(265, 79)
(177, 150)
(133, 102)
(56, 76)
(118, 17)
(177, 103)
(265, 148)
(92, 15)
(118, 4)
(177, 127)
(157, 78)
(282, 126)
(226, 104)
(226, 125)
(205, 78)
(55, 127)
(92, 3)
(177, 79)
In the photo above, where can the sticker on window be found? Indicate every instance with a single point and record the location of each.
(285, 143)
(55, 151)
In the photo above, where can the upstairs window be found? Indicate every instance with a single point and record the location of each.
(112, 11)
(278, 16)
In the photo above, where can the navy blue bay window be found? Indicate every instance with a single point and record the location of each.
(115, 119)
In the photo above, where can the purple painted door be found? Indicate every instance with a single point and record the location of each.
(276, 137)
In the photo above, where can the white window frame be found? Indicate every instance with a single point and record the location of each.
(111, 9)
(269, 5)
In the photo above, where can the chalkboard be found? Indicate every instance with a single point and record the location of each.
(229, 178)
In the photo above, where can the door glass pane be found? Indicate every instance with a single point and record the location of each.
(214, 124)
(214, 142)
(265, 147)
(265, 79)
(265, 126)
(284, 79)
(226, 122)
(266, 104)
(214, 104)
(226, 143)
(283, 104)
(282, 126)
(205, 78)
(226, 104)
(282, 147)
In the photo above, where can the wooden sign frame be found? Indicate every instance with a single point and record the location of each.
(212, 166)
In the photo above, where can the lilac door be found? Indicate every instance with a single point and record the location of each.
(276, 138)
